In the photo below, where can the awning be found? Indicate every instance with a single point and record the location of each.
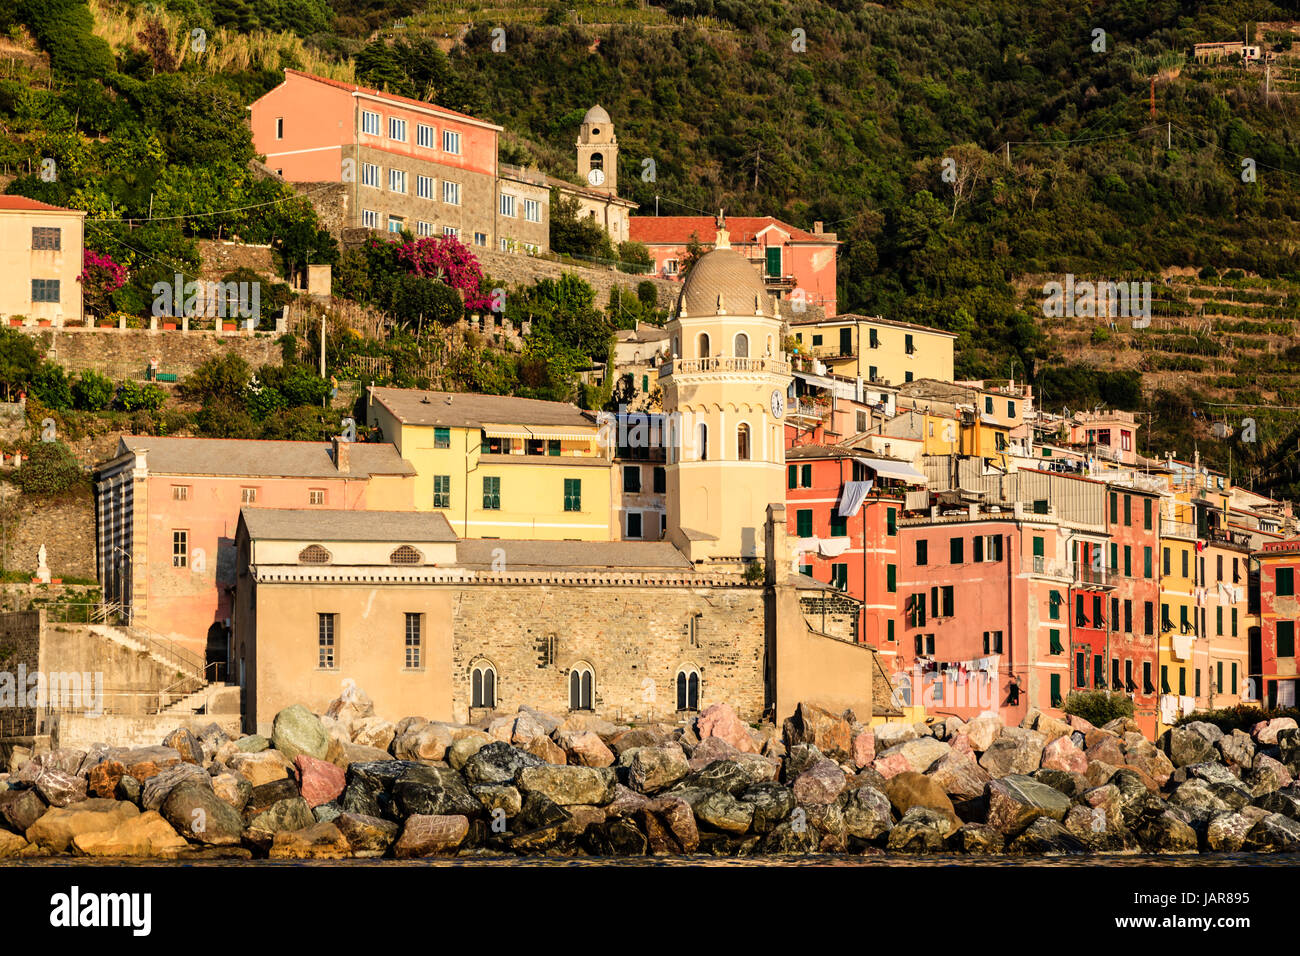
(552, 432)
(894, 469)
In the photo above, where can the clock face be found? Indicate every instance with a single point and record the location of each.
(596, 177)
(778, 404)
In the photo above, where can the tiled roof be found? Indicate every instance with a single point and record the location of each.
(262, 459)
(742, 229)
(612, 555)
(320, 524)
(354, 88)
(22, 202)
(414, 406)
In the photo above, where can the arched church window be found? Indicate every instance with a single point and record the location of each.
(688, 689)
(742, 345)
(581, 683)
(704, 345)
(742, 442)
(702, 441)
(483, 686)
(597, 159)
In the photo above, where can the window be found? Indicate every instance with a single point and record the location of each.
(580, 684)
(1128, 675)
(956, 550)
(916, 611)
(315, 496)
(792, 476)
(873, 339)
(805, 476)
(631, 478)
(871, 373)
(742, 442)
(670, 267)
(840, 575)
(702, 441)
(817, 340)
(451, 193)
(1128, 616)
(660, 480)
(47, 237)
(413, 636)
(313, 554)
(1080, 669)
(248, 496)
(483, 686)
(1146, 513)
(45, 290)
(369, 219)
(450, 142)
(442, 491)
(688, 689)
(740, 345)
(924, 644)
(1233, 688)
(1219, 568)
(424, 135)
(891, 578)
(988, 405)
(405, 555)
(889, 630)
(396, 224)
(397, 180)
(908, 345)
(803, 522)
(325, 641)
(1218, 677)
(1114, 556)
(634, 524)
(1011, 409)
(480, 238)
(450, 231)
(891, 521)
(370, 123)
(1184, 552)
(1054, 605)
(992, 642)
(508, 205)
(491, 494)
(1285, 582)
(949, 603)
(922, 552)
(1147, 686)
(424, 187)
(1098, 671)
(1056, 690)
(1198, 682)
(1128, 561)
(180, 549)
(1054, 642)
(397, 129)
(1286, 638)
(506, 244)
(1146, 562)
(1182, 681)
(806, 569)
(180, 492)
(1168, 565)
(279, 127)
(1040, 506)
(839, 526)
(1234, 622)
(533, 210)
(572, 494)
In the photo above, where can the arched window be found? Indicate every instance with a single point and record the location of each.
(597, 159)
(313, 554)
(688, 689)
(580, 687)
(483, 685)
(742, 442)
(704, 345)
(742, 345)
(702, 441)
(406, 555)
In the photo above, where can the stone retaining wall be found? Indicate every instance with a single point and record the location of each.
(125, 353)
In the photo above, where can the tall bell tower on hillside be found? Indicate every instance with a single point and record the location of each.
(598, 151)
(724, 394)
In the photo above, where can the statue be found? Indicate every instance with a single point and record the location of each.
(42, 569)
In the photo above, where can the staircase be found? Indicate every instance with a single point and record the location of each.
(209, 699)
(165, 652)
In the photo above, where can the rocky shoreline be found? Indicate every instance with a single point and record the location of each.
(347, 784)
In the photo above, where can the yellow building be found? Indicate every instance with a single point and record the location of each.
(502, 467)
(1178, 647)
(724, 392)
(876, 349)
(40, 259)
(1225, 568)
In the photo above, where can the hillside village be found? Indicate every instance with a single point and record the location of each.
(464, 438)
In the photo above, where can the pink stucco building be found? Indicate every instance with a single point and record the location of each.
(792, 260)
(166, 510)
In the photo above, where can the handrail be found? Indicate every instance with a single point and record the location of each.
(113, 614)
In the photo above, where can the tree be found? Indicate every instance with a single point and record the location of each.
(101, 276)
(224, 377)
(158, 45)
(18, 361)
(1098, 707)
(51, 387)
(50, 469)
(448, 260)
(92, 392)
(573, 234)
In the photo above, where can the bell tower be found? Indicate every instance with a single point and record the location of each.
(598, 152)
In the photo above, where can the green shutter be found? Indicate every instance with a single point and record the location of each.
(1146, 513)
(774, 261)
(792, 476)
(891, 578)
(803, 522)
(891, 521)
(1054, 640)
(839, 526)
(442, 438)
(491, 494)
(1056, 690)
(1038, 546)
(1146, 562)
(805, 476)
(572, 494)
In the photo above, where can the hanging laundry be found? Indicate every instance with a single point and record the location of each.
(855, 492)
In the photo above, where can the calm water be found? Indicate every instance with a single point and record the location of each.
(818, 859)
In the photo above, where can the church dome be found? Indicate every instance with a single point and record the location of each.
(596, 114)
(723, 272)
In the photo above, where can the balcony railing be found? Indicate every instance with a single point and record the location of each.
(1051, 569)
(1087, 576)
(719, 363)
(1177, 529)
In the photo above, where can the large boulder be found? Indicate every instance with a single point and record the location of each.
(570, 786)
(262, 767)
(725, 813)
(1166, 832)
(654, 768)
(920, 830)
(1266, 731)
(1046, 837)
(1152, 763)
(892, 734)
(145, 762)
(156, 788)
(183, 741)
(821, 783)
(917, 755)
(366, 836)
(772, 804)
(1274, 833)
(1227, 832)
(1015, 801)
(1237, 750)
(983, 730)
(321, 781)
(911, 790)
(59, 788)
(830, 733)
(978, 839)
(867, 814)
(296, 730)
(264, 797)
(1095, 827)
(233, 789)
(1190, 743)
(283, 815)
(1048, 726)
(1285, 801)
(1014, 751)
(462, 748)
(1105, 748)
(961, 778)
(670, 826)
(19, 809)
(424, 741)
(1061, 754)
(430, 835)
(499, 762)
(584, 748)
(720, 720)
(146, 834)
(320, 841)
(864, 747)
(1267, 775)
(59, 826)
(433, 791)
(731, 775)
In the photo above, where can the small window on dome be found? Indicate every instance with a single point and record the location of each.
(406, 555)
(313, 554)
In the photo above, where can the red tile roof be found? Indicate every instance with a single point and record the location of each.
(354, 88)
(742, 229)
(22, 202)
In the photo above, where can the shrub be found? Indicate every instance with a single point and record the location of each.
(1240, 717)
(92, 392)
(18, 361)
(1098, 707)
(133, 396)
(224, 377)
(49, 469)
(51, 386)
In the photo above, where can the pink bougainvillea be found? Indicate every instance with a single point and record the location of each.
(101, 276)
(448, 259)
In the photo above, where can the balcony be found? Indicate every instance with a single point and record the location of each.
(1237, 539)
(1177, 529)
(719, 363)
(1086, 576)
(1051, 569)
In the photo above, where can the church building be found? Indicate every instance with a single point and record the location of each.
(597, 197)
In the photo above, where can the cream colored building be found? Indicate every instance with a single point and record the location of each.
(875, 349)
(40, 260)
(724, 392)
(597, 197)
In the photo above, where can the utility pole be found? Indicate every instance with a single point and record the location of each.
(1008, 145)
(1169, 135)
(322, 346)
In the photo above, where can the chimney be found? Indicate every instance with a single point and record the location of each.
(342, 455)
(817, 228)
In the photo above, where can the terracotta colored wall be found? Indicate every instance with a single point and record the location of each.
(318, 120)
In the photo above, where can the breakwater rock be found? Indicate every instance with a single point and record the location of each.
(348, 784)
